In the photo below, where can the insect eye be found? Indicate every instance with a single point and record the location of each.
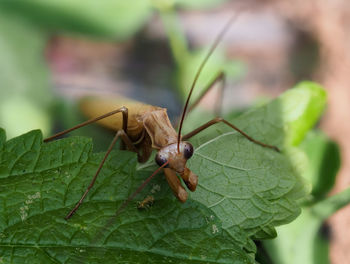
(160, 160)
(188, 151)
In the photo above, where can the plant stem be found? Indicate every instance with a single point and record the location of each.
(176, 36)
(330, 205)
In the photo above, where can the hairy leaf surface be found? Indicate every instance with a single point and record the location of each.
(244, 192)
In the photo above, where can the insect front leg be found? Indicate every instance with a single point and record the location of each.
(218, 120)
(175, 184)
(122, 110)
(121, 133)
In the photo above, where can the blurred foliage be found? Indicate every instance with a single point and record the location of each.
(188, 61)
(324, 159)
(67, 114)
(302, 240)
(26, 97)
(26, 25)
(198, 3)
(117, 19)
(218, 63)
(25, 94)
(307, 107)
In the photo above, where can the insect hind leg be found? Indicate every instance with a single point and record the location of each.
(218, 120)
(220, 79)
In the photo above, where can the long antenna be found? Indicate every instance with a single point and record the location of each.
(212, 48)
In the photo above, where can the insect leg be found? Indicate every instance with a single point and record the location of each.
(127, 141)
(220, 77)
(219, 119)
(127, 201)
(190, 179)
(123, 110)
(175, 185)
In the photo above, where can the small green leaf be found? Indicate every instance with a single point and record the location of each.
(109, 18)
(302, 107)
(324, 159)
(287, 119)
(303, 235)
(295, 242)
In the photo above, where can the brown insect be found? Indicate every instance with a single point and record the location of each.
(143, 128)
(145, 203)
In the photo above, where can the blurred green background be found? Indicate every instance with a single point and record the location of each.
(54, 52)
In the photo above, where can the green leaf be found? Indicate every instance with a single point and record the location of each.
(295, 242)
(109, 18)
(303, 235)
(302, 109)
(287, 119)
(265, 181)
(24, 93)
(244, 192)
(41, 182)
(324, 159)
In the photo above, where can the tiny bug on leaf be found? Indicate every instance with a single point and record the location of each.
(145, 203)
